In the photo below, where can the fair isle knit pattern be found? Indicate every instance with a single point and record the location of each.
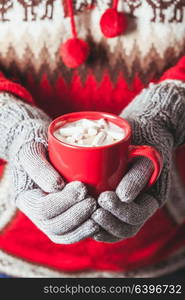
(41, 27)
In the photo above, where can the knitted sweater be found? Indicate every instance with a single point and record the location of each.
(115, 72)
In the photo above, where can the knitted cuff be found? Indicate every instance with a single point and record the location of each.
(20, 123)
(27, 131)
(169, 108)
(162, 104)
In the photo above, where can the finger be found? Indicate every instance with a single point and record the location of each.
(87, 229)
(104, 236)
(56, 203)
(33, 159)
(135, 180)
(114, 226)
(133, 213)
(71, 218)
(42, 206)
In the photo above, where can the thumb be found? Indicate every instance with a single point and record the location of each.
(135, 180)
(33, 159)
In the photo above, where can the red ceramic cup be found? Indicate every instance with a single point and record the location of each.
(101, 168)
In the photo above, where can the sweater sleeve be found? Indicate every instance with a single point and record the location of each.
(176, 72)
(177, 75)
(15, 88)
(19, 91)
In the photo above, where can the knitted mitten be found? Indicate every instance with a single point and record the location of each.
(157, 117)
(39, 190)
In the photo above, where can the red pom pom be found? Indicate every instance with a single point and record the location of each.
(74, 52)
(113, 23)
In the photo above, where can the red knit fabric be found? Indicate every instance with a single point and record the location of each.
(15, 88)
(177, 72)
(2, 165)
(158, 238)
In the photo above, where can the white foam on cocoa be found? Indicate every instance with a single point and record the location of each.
(90, 133)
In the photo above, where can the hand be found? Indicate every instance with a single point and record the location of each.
(123, 212)
(61, 212)
(157, 118)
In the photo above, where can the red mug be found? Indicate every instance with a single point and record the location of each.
(102, 167)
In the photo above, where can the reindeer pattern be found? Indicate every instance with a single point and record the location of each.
(133, 5)
(30, 6)
(159, 8)
(178, 11)
(5, 5)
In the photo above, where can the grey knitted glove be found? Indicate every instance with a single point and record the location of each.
(62, 213)
(157, 117)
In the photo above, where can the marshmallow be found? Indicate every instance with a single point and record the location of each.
(114, 127)
(115, 134)
(80, 142)
(109, 140)
(102, 123)
(70, 140)
(78, 135)
(99, 139)
(67, 131)
(90, 133)
(86, 123)
(88, 141)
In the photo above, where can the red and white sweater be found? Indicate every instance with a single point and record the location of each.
(117, 69)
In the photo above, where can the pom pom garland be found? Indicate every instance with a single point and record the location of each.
(74, 52)
(113, 23)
